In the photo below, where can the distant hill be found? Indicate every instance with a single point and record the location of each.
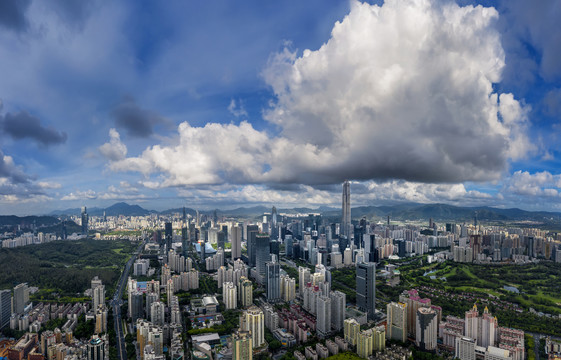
(116, 209)
(28, 221)
(123, 209)
(443, 212)
(404, 211)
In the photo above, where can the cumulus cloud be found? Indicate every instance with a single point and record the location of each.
(13, 14)
(16, 185)
(10, 172)
(399, 91)
(124, 191)
(205, 155)
(22, 125)
(523, 183)
(114, 150)
(136, 121)
(80, 195)
(237, 108)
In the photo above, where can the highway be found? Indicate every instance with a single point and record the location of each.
(117, 302)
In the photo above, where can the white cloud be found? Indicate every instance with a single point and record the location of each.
(524, 184)
(401, 91)
(49, 185)
(114, 150)
(237, 109)
(80, 195)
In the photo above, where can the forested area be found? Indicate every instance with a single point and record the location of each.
(64, 267)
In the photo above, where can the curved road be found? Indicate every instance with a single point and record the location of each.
(117, 301)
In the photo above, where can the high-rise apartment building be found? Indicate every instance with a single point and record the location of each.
(136, 306)
(427, 328)
(98, 296)
(101, 319)
(242, 346)
(397, 321)
(303, 278)
(157, 313)
(229, 295)
(253, 320)
(346, 219)
(489, 326)
(288, 288)
(351, 330)
(472, 323)
(465, 348)
(366, 288)
(21, 297)
(414, 302)
(323, 324)
(338, 307)
(246, 292)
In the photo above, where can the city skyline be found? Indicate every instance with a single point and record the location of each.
(227, 105)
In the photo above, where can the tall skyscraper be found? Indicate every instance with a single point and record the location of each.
(262, 256)
(274, 225)
(221, 240)
(366, 288)
(397, 321)
(273, 281)
(21, 297)
(85, 220)
(236, 242)
(168, 235)
(346, 220)
(243, 346)
(252, 231)
(5, 307)
(427, 328)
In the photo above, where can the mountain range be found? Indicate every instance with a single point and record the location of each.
(408, 211)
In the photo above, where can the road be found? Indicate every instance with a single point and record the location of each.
(117, 302)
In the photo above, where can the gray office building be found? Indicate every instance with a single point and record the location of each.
(252, 231)
(262, 254)
(273, 281)
(366, 288)
(5, 307)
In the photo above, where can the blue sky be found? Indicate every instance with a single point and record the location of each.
(228, 104)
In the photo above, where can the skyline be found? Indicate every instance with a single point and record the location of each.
(269, 104)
